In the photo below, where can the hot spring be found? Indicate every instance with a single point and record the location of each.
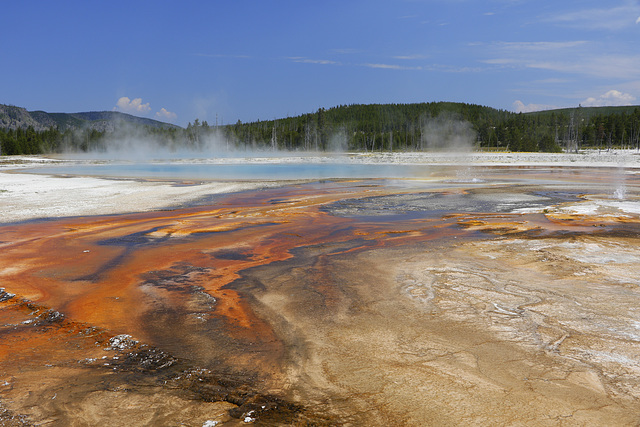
(347, 294)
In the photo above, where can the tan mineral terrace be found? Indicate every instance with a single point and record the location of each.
(505, 295)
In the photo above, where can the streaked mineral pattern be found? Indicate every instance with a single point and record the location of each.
(508, 297)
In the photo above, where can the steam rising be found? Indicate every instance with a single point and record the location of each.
(447, 132)
(339, 142)
(133, 143)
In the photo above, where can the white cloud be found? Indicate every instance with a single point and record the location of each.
(551, 81)
(134, 106)
(539, 46)
(390, 67)
(304, 60)
(384, 66)
(612, 18)
(611, 98)
(638, 20)
(218, 55)
(520, 107)
(604, 66)
(163, 114)
(411, 57)
(573, 57)
(346, 51)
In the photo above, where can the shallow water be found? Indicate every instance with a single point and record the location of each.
(242, 171)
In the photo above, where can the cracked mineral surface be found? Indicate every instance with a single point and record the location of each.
(512, 298)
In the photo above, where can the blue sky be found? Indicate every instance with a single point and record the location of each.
(248, 60)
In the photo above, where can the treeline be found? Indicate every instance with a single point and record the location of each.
(416, 127)
(593, 127)
(372, 127)
(30, 141)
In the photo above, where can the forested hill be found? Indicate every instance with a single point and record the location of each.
(13, 118)
(370, 127)
(442, 125)
(374, 127)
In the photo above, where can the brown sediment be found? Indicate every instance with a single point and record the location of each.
(269, 306)
(121, 274)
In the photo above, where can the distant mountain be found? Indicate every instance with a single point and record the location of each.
(12, 117)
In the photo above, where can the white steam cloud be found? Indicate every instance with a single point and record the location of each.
(447, 132)
(338, 142)
(135, 144)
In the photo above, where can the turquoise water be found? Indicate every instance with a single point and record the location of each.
(242, 171)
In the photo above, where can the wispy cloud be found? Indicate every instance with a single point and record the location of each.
(539, 46)
(219, 55)
(552, 81)
(304, 60)
(390, 66)
(572, 57)
(384, 66)
(428, 67)
(346, 51)
(606, 18)
(452, 69)
(602, 66)
(411, 57)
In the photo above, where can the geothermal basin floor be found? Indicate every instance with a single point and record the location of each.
(504, 295)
